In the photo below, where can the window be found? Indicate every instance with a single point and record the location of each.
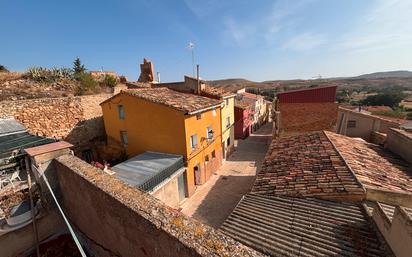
(213, 154)
(207, 158)
(193, 141)
(123, 137)
(120, 108)
(228, 142)
(198, 116)
(227, 122)
(209, 132)
(351, 124)
(226, 102)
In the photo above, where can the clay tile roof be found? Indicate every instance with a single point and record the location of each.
(283, 226)
(217, 92)
(305, 165)
(242, 104)
(251, 96)
(180, 101)
(373, 165)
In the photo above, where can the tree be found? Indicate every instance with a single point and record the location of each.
(391, 99)
(78, 67)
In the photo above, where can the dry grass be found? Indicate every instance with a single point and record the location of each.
(6, 76)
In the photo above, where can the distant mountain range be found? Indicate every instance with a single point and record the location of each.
(401, 78)
(386, 74)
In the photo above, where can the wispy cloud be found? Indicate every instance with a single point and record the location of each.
(265, 27)
(304, 42)
(241, 34)
(283, 15)
(202, 9)
(388, 24)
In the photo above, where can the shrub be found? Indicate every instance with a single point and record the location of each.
(44, 74)
(110, 81)
(87, 83)
(3, 68)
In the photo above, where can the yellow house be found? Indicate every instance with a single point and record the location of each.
(163, 120)
(227, 118)
(193, 86)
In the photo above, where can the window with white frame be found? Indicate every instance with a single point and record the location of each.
(227, 122)
(209, 132)
(193, 141)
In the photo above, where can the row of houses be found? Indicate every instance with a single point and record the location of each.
(251, 112)
(186, 122)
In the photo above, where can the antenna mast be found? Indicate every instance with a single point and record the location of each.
(191, 47)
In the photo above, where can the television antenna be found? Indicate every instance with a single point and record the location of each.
(191, 47)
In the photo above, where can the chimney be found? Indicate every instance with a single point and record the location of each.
(198, 80)
(158, 77)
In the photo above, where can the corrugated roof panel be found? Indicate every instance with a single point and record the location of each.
(281, 226)
(10, 126)
(139, 170)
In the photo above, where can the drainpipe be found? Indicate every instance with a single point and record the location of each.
(33, 215)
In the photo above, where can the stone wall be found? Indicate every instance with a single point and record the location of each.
(53, 117)
(303, 117)
(119, 220)
(77, 120)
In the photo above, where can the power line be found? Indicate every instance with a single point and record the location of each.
(62, 213)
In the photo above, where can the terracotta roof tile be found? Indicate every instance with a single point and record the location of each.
(305, 165)
(179, 101)
(373, 165)
(216, 91)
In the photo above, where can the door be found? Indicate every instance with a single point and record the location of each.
(181, 185)
(198, 178)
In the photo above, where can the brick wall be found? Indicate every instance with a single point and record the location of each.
(119, 220)
(303, 117)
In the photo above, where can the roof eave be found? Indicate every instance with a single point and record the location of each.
(204, 109)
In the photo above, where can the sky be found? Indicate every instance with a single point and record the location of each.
(256, 40)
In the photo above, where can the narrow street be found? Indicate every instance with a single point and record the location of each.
(214, 201)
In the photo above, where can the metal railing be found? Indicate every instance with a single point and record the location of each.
(155, 180)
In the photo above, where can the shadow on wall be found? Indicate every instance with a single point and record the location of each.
(90, 144)
(214, 209)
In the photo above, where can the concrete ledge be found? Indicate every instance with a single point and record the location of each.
(128, 222)
(389, 197)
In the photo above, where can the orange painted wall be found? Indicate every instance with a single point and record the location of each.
(149, 126)
(155, 127)
(205, 147)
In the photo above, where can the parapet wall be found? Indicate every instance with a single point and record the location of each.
(119, 220)
(400, 142)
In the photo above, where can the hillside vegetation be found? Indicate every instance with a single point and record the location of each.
(40, 82)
